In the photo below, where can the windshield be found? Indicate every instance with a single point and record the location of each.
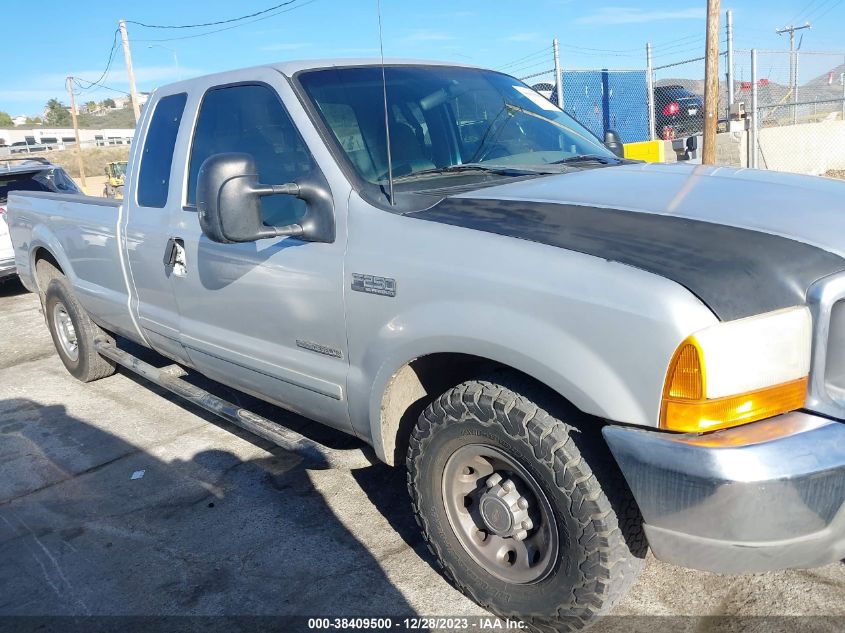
(441, 118)
(42, 180)
(119, 169)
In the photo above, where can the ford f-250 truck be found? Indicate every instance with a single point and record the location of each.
(574, 356)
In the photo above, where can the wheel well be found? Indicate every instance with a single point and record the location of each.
(46, 269)
(415, 385)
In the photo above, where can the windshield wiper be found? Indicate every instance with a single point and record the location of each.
(470, 167)
(587, 158)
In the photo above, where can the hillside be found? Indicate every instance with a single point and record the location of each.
(112, 119)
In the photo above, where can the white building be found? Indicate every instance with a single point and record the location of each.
(58, 138)
(19, 120)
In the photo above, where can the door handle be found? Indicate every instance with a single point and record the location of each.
(170, 252)
(174, 256)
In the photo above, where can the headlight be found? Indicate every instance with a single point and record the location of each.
(738, 372)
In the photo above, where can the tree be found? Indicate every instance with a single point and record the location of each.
(91, 106)
(56, 114)
(5, 119)
(108, 102)
(33, 120)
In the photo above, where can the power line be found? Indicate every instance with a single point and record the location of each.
(803, 11)
(544, 51)
(526, 67)
(829, 9)
(84, 89)
(108, 63)
(218, 23)
(227, 28)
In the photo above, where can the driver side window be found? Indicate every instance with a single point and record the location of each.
(251, 119)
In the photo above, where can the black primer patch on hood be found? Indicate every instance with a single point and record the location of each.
(735, 272)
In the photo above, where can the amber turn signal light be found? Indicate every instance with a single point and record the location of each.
(699, 416)
(686, 409)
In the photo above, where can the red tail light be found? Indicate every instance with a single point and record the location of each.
(671, 108)
(2, 210)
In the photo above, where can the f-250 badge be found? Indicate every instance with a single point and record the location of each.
(374, 285)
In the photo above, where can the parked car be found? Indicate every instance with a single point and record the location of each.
(574, 355)
(22, 147)
(25, 174)
(677, 112)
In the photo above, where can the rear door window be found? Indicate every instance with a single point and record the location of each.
(157, 158)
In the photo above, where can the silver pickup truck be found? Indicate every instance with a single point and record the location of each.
(576, 357)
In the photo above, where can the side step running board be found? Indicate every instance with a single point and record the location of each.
(169, 377)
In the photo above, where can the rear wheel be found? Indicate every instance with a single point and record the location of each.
(74, 333)
(526, 514)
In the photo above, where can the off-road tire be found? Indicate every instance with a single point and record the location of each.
(88, 365)
(602, 545)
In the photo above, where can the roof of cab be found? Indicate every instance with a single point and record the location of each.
(290, 68)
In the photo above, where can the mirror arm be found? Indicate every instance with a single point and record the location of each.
(289, 230)
(289, 189)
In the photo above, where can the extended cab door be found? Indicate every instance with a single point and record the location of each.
(154, 198)
(266, 317)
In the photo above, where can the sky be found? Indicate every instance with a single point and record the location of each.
(48, 40)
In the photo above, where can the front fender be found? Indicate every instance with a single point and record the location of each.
(621, 384)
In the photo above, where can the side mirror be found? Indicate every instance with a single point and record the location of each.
(614, 143)
(229, 200)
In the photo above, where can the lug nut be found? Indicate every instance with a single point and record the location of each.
(508, 486)
(522, 503)
(527, 524)
(493, 479)
(521, 535)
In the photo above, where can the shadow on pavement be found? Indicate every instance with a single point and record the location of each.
(206, 536)
(12, 287)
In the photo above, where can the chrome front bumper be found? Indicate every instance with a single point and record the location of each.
(768, 495)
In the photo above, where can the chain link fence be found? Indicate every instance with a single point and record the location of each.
(663, 102)
(601, 99)
(796, 105)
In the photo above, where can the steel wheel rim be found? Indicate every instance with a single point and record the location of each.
(65, 332)
(485, 522)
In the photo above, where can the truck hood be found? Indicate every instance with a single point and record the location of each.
(743, 241)
(804, 208)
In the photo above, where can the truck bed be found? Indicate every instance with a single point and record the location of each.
(83, 231)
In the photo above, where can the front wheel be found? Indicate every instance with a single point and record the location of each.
(524, 519)
(74, 333)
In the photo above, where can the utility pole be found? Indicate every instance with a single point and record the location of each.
(558, 74)
(711, 84)
(729, 34)
(793, 64)
(69, 86)
(133, 91)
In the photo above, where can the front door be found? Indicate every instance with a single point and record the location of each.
(265, 317)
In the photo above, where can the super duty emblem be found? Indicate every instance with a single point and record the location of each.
(374, 285)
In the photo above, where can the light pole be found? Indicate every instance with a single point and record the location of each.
(175, 58)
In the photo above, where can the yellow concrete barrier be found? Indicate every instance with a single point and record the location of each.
(649, 151)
